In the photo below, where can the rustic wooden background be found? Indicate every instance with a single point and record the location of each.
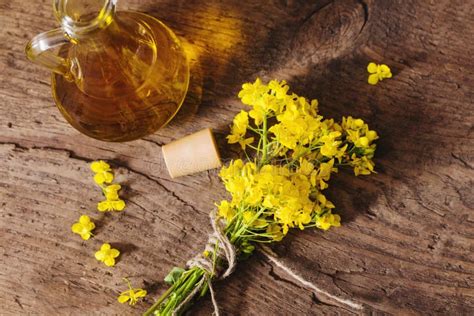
(406, 246)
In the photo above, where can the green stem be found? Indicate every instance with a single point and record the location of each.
(253, 147)
(183, 291)
(255, 130)
(165, 295)
(177, 292)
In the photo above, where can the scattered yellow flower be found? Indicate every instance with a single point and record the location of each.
(117, 205)
(107, 255)
(111, 192)
(103, 173)
(112, 201)
(83, 227)
(378, 72)
(131, 295)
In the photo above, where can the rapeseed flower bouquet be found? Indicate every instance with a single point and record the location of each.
(292, 151)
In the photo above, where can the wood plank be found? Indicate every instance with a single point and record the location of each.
(406, 244)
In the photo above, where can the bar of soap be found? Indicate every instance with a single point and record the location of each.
(193, 153)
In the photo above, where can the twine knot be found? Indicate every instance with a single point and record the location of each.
(219, 267)
(225, 262)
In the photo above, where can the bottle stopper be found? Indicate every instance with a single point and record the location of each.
(190, 154)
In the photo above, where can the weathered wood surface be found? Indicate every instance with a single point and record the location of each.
(406, 246)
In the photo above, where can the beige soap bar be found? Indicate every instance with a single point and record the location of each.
(190, 154)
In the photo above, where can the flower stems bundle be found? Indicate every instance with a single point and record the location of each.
(292, 153)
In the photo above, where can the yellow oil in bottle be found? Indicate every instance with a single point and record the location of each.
(130, 79)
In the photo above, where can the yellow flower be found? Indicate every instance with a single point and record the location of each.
(254, 196)
(372, 135)
(112, 201)
(362, 165)
(278, 88)
(350, 123)
(103, 173)
(252, 92)
(131, 295)
(298, 123)
(111, 192)
(270, 201)
(306, 167)
(275, 231)
(107, 255)
(241, 122)
(239, 128)
(358, 133)
(325, 203)
(378, 73)
(117, 205)
(330, 146)
(321, 176)
(327, 220)
(244, 142)
(258, 114)
(233, 169)
(226, 211)
(302, 219)
(362, 142)
(249, 219)
(283, 192)
(83, 227)
(266, 100)
(289, 195)
(322, 205)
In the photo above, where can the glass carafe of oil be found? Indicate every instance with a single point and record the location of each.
(117, 76)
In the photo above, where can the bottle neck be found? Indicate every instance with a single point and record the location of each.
(81, 17)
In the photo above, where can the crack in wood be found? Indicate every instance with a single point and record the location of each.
(154, 214)
(153, 142)
(172, 193)
(315, 11)
(116, 162)
(462, 161)
(19, 303)
(366, 14)
(423, 115)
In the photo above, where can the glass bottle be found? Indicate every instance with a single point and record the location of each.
(117, 76)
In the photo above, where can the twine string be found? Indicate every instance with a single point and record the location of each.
(214, 267)
(269, 255)
(226, 257)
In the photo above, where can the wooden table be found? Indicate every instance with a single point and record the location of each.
(407, 240)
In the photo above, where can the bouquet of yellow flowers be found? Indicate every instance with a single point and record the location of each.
(292, 153)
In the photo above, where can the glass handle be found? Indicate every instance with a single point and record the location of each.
(38, 50)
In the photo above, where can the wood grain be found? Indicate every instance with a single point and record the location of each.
(406, 246)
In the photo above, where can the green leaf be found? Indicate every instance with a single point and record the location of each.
(174, 275)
